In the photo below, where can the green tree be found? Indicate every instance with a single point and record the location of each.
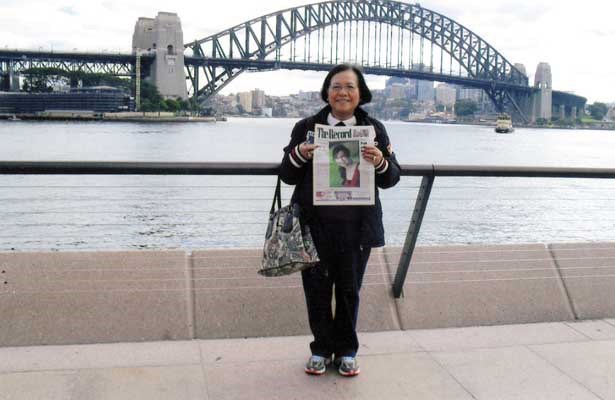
(598, 110)
(440, 107)
(172, 105)
(465, 107)
(147, 106)
(151, 100)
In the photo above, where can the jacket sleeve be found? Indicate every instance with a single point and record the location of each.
(389, 171)
(293, 166)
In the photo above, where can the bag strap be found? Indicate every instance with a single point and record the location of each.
(277, 196)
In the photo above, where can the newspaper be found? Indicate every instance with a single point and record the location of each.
(341, 175)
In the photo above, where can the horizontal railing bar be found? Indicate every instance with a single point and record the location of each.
(170, 199)
(135, 168)
(518, 171)
(234, 168)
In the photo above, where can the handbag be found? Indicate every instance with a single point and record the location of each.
(288, 244)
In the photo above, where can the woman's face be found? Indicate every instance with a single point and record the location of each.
(341, 159)
(344, 95)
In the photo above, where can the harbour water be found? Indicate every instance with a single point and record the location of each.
(190, 212)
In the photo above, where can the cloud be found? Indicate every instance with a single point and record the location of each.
(70, 10)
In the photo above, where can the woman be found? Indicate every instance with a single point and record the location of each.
(349, 170)
(343, 235)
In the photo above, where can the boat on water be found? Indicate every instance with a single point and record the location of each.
(504, 124)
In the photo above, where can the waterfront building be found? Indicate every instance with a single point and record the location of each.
(98, 99)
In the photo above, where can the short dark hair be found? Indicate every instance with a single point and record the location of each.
(340, 148)
(364, 92)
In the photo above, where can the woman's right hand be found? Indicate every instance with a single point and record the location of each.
(307, 150)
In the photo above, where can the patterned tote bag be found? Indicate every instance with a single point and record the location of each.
(288, 245)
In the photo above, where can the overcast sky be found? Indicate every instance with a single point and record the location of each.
(576, 38)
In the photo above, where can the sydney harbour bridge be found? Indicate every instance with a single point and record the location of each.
(384, 37)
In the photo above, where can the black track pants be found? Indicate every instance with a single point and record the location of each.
(341, 268)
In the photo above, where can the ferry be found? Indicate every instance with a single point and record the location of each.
(504, 124)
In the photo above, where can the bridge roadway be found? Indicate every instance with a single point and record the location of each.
(123, 64)
(126, 61)
(476, 322)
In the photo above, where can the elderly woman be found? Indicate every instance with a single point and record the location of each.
(343, 235)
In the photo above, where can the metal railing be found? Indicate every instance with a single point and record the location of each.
(427, 172)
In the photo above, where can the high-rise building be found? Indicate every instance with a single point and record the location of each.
(258, 98)
(446, 94)
(425, 91)
(245, 100)
(397, 91)
(464, 93)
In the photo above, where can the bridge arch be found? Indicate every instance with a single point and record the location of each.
(221, 57)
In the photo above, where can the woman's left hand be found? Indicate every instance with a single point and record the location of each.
(372, 154)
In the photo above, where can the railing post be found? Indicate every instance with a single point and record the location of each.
(413, 232)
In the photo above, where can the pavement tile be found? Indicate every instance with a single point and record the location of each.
(56, 385)
(297, 347)
(590, 363)
(401, 376)
(494, 336)
(387, 342)
(151, 383)
(13, 359)
(246, 350)
(511, 373)
(594, 329)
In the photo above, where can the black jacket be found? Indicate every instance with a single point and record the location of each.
(372, 230)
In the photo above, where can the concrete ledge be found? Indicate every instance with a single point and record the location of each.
(458, 286)
(588, 272)
(93, 297)
(232, 300)
(131, 296)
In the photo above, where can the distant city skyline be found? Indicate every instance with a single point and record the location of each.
(574, 38)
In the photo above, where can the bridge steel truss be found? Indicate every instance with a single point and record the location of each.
(113, 64)
(221, 57)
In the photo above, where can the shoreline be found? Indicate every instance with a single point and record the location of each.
(516, 126)
(174, 119)
(106, 118)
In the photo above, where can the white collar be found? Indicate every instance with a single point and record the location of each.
(331, 120)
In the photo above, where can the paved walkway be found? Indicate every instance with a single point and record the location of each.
(573, 360)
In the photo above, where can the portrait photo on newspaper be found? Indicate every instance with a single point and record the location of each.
(341, 175)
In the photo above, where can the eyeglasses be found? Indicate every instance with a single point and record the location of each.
(339, 88)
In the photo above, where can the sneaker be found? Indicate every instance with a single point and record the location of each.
(316, 365)
(347, 366)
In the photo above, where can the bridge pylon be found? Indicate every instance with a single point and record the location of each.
(163, 36)
(542, 100)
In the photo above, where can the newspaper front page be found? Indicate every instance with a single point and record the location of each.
(341, 175)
